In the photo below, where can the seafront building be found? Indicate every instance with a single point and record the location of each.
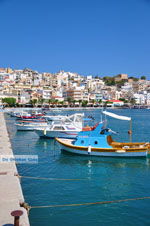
(28, 86)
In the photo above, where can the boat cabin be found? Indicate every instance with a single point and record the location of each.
(94, 138)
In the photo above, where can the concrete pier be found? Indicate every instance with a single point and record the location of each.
(10, 189)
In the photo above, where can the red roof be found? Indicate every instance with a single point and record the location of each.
(116, 101)
(53, 97)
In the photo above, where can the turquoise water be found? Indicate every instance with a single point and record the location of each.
(105, 179)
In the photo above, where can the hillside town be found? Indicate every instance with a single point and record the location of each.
(30, 88)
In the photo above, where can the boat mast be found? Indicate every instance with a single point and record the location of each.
(130, 131)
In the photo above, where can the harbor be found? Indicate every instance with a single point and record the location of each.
(61, 188)
(11, 195)
(74, 113)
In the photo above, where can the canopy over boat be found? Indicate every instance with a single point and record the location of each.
(116, 116)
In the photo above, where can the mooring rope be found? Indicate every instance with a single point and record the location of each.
(46, 178)
(90, 203)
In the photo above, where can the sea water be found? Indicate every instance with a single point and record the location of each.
(102, 178)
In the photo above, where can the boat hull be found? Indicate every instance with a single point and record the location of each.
(53, 134)
(30, 127)
(103, 152)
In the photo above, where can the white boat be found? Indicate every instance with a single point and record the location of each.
(31, 125)
(25, 115)
(55, 117)
(18, 113)
(65, 126)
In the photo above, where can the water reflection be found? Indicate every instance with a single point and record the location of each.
(70, 158)
(89, 165)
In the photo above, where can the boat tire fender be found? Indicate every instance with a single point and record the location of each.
(89, 149)
(44, 131)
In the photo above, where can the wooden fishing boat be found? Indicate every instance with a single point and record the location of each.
(98, 142)
(116, 144)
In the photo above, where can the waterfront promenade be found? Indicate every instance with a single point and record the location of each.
(10, 189)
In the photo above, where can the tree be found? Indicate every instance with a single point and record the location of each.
(109, 81)
(93, 101)
(80, 102)
(143, 77)
(134, 79)
(49, 102)
(121, 83)
(70, 100)
(61, 103)
(56, 102)
(10, 101)
(41, 101)
(33, 102)
(84, 103)
(74, 101)
(106, 103)
(53, 102)
(124, 100)
(132, 101)
(100, 101)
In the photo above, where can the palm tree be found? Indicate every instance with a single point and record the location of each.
(61, 103)
(84, 103)
(74, 101)
(41, 101)
(80, 102)
(93, 102)
(49, 102)
(53, 102)
(33, 102)
(70, 100)
(100, 102)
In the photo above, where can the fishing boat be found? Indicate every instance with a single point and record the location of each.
(30, 125)
(32, 115)
(19, 114)
(99, 142)
(39, 123)
(65, 126)
(25, 115)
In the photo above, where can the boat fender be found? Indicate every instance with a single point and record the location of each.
(89, 149)
(146, 144)
(125, 147)
(44, 131)
(120, 151)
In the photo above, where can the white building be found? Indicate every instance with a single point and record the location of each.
(127, 87)
(46, 94)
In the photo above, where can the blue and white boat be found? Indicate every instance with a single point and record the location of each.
(99, 142)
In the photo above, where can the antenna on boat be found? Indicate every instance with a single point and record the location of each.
(130, 131)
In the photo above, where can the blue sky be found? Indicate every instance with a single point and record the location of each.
(99, 37)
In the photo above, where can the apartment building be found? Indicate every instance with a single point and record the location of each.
(75, 94)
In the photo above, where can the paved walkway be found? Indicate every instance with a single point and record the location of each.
(10, 188)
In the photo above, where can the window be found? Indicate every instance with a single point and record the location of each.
(58, 128)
